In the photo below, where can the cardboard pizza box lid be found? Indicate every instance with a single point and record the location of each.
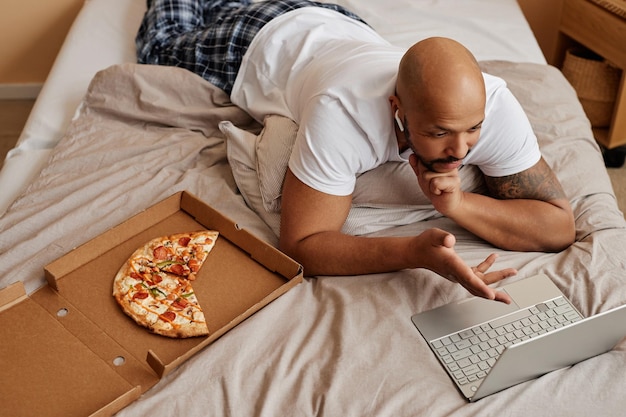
(79, 322)
(49, 372)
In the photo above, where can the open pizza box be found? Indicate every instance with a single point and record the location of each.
(69, 350)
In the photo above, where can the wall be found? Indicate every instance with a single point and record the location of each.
(31, 34)
(544, 17)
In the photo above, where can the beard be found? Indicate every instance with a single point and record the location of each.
(430, 165)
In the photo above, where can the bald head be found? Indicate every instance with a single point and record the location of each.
(439, 105)
(439, 74)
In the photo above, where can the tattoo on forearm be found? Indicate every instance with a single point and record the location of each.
(537, 183)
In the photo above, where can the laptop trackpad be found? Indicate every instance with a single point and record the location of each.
(461, 315)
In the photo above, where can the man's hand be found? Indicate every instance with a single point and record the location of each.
(442, 189)
(438, 247)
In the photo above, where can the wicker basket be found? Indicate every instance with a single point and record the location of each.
(596, 83)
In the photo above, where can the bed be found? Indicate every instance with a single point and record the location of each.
(108, 138)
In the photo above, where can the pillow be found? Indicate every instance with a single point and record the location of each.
(241, 153)
(273, 149)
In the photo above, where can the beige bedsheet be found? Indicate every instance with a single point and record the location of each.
(333, 346)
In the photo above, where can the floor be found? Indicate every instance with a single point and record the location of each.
(13, 115)
(618, 178)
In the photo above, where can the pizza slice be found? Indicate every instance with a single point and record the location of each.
(154, 285)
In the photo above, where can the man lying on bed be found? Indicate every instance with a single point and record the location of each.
(324, 68)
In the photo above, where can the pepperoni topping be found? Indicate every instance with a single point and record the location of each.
(194, 265)
(180, 304)
(177, 269)
(160, 253)
(140, 295)
(184, 241)
(169, 316)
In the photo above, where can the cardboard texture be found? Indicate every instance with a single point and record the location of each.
(69, 350)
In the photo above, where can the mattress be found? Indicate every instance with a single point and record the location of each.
(103, 35)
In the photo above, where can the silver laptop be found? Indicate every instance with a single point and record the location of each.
(487, 346)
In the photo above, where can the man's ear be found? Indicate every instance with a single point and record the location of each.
(394, 102)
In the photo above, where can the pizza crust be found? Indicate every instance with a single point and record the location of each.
(154, 286)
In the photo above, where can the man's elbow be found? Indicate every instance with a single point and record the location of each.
(562, 236)
(549, 234)
(550, 241)
(288, 247)
(296, 250)
(562, 242)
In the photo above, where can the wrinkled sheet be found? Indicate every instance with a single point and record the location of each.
(332, 346)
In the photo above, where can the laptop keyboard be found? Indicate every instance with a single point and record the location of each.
(469, 355)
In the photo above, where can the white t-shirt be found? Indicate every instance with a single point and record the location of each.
(333, 76)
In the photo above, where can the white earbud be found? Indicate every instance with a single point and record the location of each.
(398, 121)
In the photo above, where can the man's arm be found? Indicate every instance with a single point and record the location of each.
(311, 223)
(527, 211)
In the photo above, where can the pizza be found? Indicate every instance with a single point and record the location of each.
(154, 286)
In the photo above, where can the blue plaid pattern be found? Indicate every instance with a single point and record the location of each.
(209, 37)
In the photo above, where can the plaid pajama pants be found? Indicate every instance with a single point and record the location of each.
(209, 37)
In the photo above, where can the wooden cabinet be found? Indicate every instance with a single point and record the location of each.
(604, 32)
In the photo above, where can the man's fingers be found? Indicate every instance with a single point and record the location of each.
(496, 276)
(442, 238)
(482, 279)
(475, 280)
(480, 290)
(449, 240)
(503, 297)
(475, 285)
(487, 263)
(491, 277)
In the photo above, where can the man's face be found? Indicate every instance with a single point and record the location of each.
(441, 140)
